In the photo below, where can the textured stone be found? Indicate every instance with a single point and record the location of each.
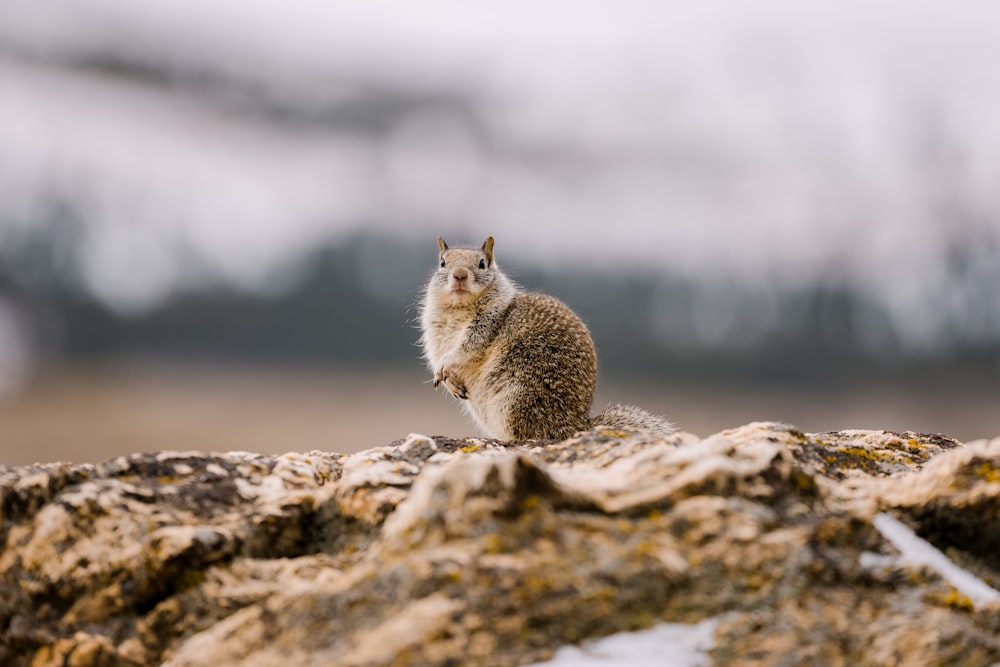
(434, 551)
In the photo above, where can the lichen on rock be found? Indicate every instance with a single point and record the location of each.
(438, 551)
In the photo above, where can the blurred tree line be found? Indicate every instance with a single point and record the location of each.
(355, 304)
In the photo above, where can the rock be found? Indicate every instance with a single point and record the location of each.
(433, 551)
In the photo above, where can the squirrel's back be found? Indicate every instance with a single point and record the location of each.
(545, 362)
(524, 364)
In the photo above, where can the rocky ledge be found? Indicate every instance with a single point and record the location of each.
(796, 549)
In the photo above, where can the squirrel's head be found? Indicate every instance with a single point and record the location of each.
(464, 274)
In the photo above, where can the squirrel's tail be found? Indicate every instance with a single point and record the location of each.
(631, 418)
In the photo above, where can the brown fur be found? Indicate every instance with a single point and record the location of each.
(545, 350)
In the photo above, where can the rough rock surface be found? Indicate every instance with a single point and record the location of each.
(453, 552)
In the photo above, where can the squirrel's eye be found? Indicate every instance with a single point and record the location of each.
(442, 263)
(482, 264)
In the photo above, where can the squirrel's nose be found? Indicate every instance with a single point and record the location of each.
(460, 274)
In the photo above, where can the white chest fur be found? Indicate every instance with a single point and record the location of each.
(444, 330)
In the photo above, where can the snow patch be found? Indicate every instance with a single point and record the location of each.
(918, 551)
(664, 645)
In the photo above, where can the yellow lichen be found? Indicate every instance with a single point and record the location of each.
(955, 599)
(804, 482)
(470, 448)
(644, 548)
(867, 453)
(492, 543)
(988, 471)
(539, 582)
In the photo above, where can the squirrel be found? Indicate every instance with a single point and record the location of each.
(523, 364)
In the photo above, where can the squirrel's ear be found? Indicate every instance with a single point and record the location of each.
(442, 245)
(488, 249)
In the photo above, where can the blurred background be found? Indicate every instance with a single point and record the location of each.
(216, 215)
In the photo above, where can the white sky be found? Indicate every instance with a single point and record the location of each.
(769, 143)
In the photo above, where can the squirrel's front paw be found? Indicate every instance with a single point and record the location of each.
(454, 386)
